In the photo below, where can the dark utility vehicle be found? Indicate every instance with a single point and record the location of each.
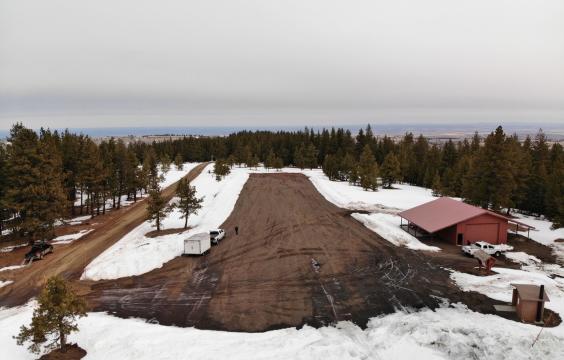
(38, 251)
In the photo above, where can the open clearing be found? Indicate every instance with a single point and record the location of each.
(263, 278)
(70, 260)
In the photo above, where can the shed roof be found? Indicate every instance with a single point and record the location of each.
(530, 292)
(442, 213)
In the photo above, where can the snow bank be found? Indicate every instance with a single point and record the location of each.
(10, 248)
(459, 333)
(5, 283)
(446, 333)
(136, 254)
(388, 227)
(13, 267)
(522, 258)
(66, 239)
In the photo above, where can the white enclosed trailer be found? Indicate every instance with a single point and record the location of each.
(197, 244)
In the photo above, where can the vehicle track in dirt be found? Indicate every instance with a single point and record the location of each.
(70, 260)
(263, 278)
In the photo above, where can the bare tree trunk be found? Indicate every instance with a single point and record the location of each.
(63, 340)
(81, 199)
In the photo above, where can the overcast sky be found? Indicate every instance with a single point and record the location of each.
(78, 63)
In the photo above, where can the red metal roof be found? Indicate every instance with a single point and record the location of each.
(442, 213)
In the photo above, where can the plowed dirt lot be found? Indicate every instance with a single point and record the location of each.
(70, 260)
(263, 278)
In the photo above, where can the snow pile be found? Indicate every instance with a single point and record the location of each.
(522, 258)
(66, 239)
(136, 254)
(10, 248)
(459, 333)
(388, 227)
(5, 232)
(446, 333)
(5, 283)
(13, 267)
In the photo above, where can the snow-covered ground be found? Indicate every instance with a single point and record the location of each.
(10, 248)
(136, 254)
(66, 239)
(12, 267)
(544, 234)
(5, 283)
(446, 333)
(388, 227)
(348, 196)
(522, 258)
(450, 332)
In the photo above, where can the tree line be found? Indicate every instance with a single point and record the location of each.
(47, 175)
(499, 171)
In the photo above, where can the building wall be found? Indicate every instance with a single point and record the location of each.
(486, 228)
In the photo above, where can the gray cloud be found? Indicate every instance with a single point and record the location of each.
(125, 62)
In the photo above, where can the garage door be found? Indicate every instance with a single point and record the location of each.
(482, 232)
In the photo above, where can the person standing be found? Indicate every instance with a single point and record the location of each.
(236, 230)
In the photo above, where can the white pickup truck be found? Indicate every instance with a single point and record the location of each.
(216, 235)
(490, 249)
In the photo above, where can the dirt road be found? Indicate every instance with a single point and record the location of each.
(70, 260)
(263, 278)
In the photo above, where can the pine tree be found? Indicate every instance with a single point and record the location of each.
(150, 168)
(437, 186)
(92, 175)
(165, 163)
(390, 170)
(35, 185)
(188, 203)
(178, 162)
(330, 167)
(253, 161)
(348, 169)
(310, 156)
(368, 169)
(554, 201)
(270, 158)
(490, 181)
(221, 169)
(278, 164)
(54, 318)
(157, 206)
(299, 157)
(537, 183)
(70, 151)
(3, 186)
